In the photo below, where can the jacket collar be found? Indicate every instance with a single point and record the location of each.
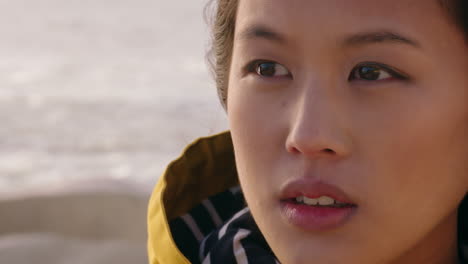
(205, 168)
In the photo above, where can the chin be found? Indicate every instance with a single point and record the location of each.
(322, 258)
(294, 248)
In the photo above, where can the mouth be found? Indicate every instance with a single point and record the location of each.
(316, 206)
(322, 201)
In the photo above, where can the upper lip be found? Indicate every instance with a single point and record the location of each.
(313, 189)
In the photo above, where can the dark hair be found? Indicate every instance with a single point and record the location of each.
(222, 32)
(458, 12)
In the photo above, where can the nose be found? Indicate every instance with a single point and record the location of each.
(318, 128)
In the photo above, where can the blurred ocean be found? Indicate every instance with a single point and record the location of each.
(97, 89)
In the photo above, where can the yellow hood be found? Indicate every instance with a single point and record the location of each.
(205, 168)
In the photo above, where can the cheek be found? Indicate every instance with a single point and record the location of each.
(257, 119)
(259, 129)
(414, 138)
(253, 130)
(418, 165)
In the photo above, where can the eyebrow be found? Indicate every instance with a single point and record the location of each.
(364, 38)
(382, 36)
(262, 32)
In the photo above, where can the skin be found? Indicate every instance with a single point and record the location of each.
(398, 148)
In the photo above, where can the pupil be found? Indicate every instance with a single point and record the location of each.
(266, 69)
(369, 73)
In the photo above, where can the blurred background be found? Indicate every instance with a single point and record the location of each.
(96, 97)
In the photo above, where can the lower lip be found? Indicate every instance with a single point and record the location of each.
(314, 218)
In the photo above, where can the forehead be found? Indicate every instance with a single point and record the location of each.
(332, 17)
(346, 8)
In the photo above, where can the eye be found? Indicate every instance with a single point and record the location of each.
(268, 69)
(375, 72)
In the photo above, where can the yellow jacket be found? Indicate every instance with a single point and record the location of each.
(206, 167)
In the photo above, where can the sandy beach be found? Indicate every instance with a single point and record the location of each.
(73, 225)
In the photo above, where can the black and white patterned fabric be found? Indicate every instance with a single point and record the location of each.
(221, 230)
(237, 242)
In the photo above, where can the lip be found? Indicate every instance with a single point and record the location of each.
(315, 218)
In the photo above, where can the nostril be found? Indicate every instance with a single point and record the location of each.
(329, 151)
(294, 150)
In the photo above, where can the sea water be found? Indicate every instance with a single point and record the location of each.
(101, 89)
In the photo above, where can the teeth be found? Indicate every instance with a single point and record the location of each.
(323, 200)
(310, 201)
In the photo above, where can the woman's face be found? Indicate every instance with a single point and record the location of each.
(364, 102)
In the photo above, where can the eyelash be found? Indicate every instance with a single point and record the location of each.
(381, 66)
(253, 66)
